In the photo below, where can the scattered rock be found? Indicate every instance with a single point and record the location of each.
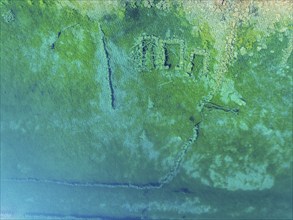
(9, 16)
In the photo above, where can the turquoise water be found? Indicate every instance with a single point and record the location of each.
(143, 113)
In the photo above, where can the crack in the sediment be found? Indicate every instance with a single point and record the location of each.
(59, 34)
(175, 169)
(151, 185)
(51, 216)
(109, 68)
(210, 105)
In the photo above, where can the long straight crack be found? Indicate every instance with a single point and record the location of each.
(57, 216)
(156, 185)
(109, 69)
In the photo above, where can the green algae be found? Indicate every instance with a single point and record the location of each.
(70, 91)
(247, 36)
(58, 67)
(260, 132)
(161, 92)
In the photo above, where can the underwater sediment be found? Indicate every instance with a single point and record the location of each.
(151, 109)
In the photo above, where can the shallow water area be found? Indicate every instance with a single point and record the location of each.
(151, 109)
